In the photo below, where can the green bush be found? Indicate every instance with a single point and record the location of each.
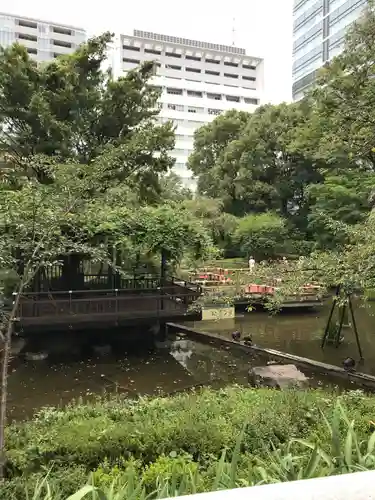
(61, 481)
(181, 437)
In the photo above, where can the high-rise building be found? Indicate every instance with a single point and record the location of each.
(44, 40)
(199, 81)
(319, 28)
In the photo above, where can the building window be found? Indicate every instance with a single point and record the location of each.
(194, 93)
(250, 78)
(233, 98)
(174, 91)
(192, 109)
(27, 24)
(175, 107)
(230, 75)
(213, 73)
(131, 61)
(24, 36)
(60, 43)
(172, 66)
(232, 64)
(216, 97)
(131, 47)
(173, 54)
(31, 51)
(251, 100)
(192, 58)
(215, 112)
(248, 66)
(193, 70)
(152, 51)
(212, 61)
(62, 31)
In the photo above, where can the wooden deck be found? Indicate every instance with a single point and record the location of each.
(99, 307)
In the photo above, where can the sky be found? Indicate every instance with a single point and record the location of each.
(262, 27)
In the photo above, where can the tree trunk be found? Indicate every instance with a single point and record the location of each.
(163, 272)
(7, 345)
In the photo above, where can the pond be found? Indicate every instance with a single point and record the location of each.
(180, 363)
(300, 333)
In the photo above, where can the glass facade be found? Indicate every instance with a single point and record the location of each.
(319, 28)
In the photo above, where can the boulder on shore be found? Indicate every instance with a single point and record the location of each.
(277, 376)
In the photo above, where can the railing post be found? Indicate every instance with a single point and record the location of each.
(116, 290)
(14, 294)
(70, 301)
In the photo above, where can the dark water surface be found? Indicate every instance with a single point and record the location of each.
(180, 363)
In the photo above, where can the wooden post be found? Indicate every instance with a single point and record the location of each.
(338, 333)
(355, 327)
(326, 331)
(110, 277)
(163, 271)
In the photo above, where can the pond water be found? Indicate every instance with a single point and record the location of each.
(180, 364)
(300, 333)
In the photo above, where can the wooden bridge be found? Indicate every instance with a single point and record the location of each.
(136, 300)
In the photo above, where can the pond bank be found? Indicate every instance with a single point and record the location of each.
(335, 373)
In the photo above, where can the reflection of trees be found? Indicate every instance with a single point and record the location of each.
(207, 363)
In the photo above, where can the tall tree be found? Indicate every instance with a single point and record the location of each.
(210, 143)
(71, 110)
(341, 129)
(256, 168)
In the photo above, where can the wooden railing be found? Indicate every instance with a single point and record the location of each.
(100, 304)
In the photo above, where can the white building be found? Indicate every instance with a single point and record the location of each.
(44, 40)
(199, 80)
(319, 28)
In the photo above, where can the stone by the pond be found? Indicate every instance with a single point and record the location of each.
(277, 376)
(36, 356)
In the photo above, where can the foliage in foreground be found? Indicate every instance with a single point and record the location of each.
(190, 443)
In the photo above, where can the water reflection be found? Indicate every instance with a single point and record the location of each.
(178, 365)
(301, 334)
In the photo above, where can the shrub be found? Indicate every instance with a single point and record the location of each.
(185, 432)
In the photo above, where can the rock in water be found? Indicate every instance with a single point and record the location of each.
(36, 356)
(277, 376)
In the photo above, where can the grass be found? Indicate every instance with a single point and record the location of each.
(203, 441)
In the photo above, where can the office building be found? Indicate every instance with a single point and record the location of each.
(319, 28)
(44, 40)
(199, 81)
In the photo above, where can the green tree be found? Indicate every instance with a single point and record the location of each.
(256, 169)
(210, 143)
(172, 188)
(220, 225)
(341, 129)
(261, 235)
(69, 109)
(343, 197)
